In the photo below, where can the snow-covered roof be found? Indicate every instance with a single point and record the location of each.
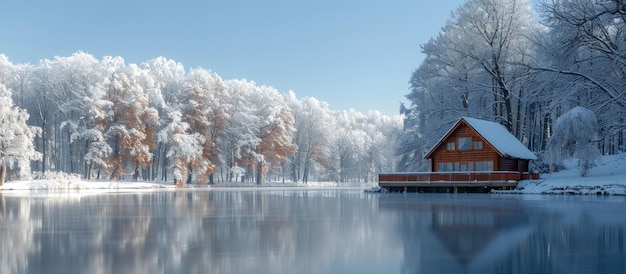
(500, 138)
(496, 135)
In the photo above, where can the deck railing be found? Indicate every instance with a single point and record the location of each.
(481, 176)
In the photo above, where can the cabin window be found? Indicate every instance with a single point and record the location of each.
(443, 167)
(463, 166)
(451, 146)
(484, 166)
(465, 143)
(478, 145)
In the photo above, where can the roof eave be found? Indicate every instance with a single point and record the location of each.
(436, 146)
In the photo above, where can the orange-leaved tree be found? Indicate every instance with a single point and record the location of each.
(131, 132)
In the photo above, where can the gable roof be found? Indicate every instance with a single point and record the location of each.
(496, 135)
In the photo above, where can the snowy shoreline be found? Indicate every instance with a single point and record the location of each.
(547, 187)
(70, 184)
(611, 185)
(608, 177)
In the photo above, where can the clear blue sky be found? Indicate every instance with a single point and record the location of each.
(351, 54)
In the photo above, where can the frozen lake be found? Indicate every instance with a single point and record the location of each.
(310, 231)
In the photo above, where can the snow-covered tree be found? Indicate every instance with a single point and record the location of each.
(474, 67)
(16, 137)
(103, 116)
(477, 66)
(185, 148)
(261, 128)
(200, 103)
(274, 130)
(575, 135)
(314, 125)
(385, 133)
(238, 137)
(168, 76)
(349, 150)
(131, 130)
(584, 55)
(71, 90)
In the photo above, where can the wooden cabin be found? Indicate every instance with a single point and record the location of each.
(473, 154)
(479, 145)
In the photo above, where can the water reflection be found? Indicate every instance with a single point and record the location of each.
(191, 232)
(509, 234)
(299, 231)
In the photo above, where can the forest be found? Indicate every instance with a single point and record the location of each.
(108, 120)
(523, 66)
(507, 61)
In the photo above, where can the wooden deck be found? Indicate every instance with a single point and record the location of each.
(452, 181)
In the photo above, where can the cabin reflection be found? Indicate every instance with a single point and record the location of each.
(452, 237)
(472, 233)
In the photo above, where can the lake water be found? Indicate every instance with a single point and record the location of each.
(310, 231)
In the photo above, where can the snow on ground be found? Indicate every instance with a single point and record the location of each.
(67, 182)
(73, 182)
(290, 184)
(608, 177)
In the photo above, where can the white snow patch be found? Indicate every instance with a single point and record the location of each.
(608, 177)
(73, 183)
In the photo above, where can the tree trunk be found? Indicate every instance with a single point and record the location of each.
(259, 175)
(44, 146)
(89, 171)
(3, 172)
(189, 173)
(136, 174)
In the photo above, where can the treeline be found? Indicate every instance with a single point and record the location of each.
(505, 61)
(108, 120)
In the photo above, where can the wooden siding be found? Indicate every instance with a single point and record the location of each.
(443, 155)
(522, 165)
(512, 164)
(508, 164)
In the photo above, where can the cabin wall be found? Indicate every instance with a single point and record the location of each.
(511, 164)
(523, 165)
(443, 155)
(508, 164)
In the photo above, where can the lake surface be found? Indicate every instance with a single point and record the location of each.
(310, 231)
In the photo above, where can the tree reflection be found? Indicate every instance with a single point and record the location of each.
(16, 234)
(191, 232)
(287, 231)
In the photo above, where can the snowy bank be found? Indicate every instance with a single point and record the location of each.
(608, 177)
(291, 184)
(67, 182)
(56, 181)
(78, 185)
